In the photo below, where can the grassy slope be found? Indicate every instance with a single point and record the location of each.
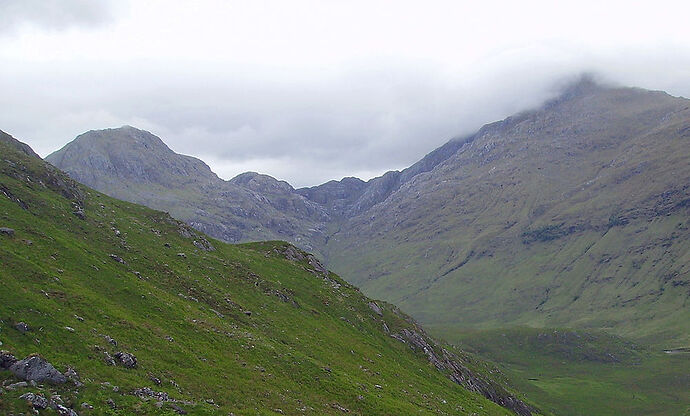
(321, 349)
(581, 373)
(466, 244)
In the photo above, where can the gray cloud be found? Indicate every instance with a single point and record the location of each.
(54, 14)
(366, 122)
(274, 104)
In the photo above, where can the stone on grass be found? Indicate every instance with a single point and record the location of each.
(35, 368)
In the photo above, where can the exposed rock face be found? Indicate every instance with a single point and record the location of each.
(35, 368)
(376, 308)
(446, 361)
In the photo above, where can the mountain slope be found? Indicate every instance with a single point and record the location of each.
(146, 316)
(575, 214)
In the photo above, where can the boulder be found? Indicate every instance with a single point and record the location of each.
(37, 401)
(35, 368)
(126, 359)
(22, 327)
(6, 231)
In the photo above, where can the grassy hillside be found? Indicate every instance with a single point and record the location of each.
(215, 328)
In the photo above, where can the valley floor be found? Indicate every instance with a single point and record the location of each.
(575, 373)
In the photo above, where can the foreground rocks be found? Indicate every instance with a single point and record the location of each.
(39, 402)
(35, 368)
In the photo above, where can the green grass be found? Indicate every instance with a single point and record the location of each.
(310, 346)
(575, 372)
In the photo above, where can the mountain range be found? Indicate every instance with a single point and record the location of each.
(573, 214)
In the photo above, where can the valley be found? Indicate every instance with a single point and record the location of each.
(554, 243)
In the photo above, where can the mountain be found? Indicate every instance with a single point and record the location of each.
(134, 165)
(107, 307)
(573, 214)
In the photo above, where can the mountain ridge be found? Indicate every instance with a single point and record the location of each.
(594, 160)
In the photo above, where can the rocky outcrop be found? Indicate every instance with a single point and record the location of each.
(126, 359)
(450, 364)
(36, 368)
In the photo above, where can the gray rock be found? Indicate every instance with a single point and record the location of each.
(117, 259)
(72, 375)
(126, 359)
(6, 231)
(65, 411)
(35, 368)
(203, 244)
(79, 212)
(16, 386)
(6, 359)
(178, 409)
(108, 358)
(110, 340)
(148, 393)
(22, 327)
(376, 308)
(37, 401)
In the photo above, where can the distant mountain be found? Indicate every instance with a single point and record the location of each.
(108, 307)
(137, 166)
(573, 214)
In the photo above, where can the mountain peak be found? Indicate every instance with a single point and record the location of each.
(128, 153)
(261, 182)
(584, 84)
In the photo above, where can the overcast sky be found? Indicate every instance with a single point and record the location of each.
(309, 91)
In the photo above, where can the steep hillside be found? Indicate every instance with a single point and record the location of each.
(576, 215)
(107, 307)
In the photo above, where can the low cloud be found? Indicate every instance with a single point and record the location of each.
(267, 87)
(53, 14)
